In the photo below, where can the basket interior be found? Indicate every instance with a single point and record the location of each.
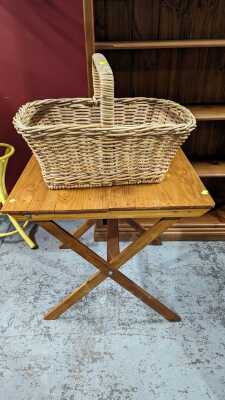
(131, 112)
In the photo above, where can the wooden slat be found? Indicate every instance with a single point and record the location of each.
(81, 230)
(140, 243)
(208, 112)
(137, 226)
(209, 169)
(159, 44)
(181, 190)
(113, 246)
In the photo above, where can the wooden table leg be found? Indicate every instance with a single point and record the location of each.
(80, 231)
(109, 269)
(137, 227)
(113, 245)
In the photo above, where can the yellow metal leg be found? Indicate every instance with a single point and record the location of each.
(10, 233)
(8, 152)
(21, 232)
(18, 230)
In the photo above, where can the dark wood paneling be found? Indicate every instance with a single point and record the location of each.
(207, 141)
(192, 76)
(113, 20)
(159, 19)
(216, 187)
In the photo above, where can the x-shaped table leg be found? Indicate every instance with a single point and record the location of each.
(109, 268)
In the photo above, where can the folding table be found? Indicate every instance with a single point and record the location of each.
(181, 194)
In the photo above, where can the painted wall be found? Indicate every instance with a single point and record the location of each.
(42, 56)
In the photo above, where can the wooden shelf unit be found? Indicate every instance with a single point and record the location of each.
(158, 53)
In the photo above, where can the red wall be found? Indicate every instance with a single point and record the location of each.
(42, 56)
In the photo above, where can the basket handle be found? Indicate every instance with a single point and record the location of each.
(103, 82)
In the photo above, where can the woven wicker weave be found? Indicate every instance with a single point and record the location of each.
(103, 141)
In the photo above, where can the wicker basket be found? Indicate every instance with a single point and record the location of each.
(103, 141)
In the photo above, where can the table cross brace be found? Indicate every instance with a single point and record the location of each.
(110, 268)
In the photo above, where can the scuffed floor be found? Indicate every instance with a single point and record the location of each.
(110, 346)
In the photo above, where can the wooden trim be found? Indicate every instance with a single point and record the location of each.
(88, 11)
(210, 169)
(210, 226)
(159, 44)
(173, 213)
(208, 112)
(172, 235)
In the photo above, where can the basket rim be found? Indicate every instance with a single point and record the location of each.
(19, 124)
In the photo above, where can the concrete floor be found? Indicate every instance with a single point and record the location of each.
(110, 346)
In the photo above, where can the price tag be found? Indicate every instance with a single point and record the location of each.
(205, 192)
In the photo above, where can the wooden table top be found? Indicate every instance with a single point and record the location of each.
(181, 194)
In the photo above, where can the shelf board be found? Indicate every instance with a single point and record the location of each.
(210, 169)
(210, 226)
(159, 44)
(208, 112)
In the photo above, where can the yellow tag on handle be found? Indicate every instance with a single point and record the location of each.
(103, 62)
